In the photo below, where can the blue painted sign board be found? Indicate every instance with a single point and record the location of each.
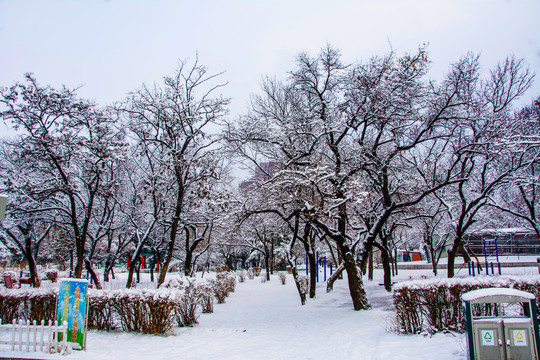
(73, 308)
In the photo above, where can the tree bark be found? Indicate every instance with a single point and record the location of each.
(336, 275)
(356, 288)
(370, 266)
(95, 278)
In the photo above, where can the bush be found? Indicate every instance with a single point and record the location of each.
(250, 274)
(147, 312)
(435, 305)
(303, 280)
(282, 277)
(41, 305)
(100, 313)
(242, 276)
(223, 285)
(222, 268)
(143, 311)
(257, 270)
(12, 305)
(187, 309)
(206, 293)
(52, 275)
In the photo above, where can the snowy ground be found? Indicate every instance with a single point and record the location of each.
(266, 321)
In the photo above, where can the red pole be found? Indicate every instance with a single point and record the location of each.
(128, 261)
(157, 265)
(143, 262)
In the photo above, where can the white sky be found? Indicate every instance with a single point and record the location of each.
(112, 47)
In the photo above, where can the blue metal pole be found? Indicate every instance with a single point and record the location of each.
(485, 256)
(469, 266)
(479, 268)
(325, 269)
(307, 264)
(472, 267)
(331, 268)
(317, 264)
(492, 270)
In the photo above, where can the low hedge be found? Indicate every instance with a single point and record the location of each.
(435, 305)
(134, 310)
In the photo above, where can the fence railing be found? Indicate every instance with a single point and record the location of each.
(26, 336)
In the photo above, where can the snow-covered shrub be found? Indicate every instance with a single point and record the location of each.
(222, 268)
(282, 277)
(229, 279)
(174, 283)
(187, 309)
(206, 294)
(28, 304)
(100, 312)
(52, 275)
(263, 279)
(303, 280)
(223, 285)
(257, 270)
(12, 303)
(241, 276)
(144, 311)
(435, 305)
(250, 274)
(41, 305)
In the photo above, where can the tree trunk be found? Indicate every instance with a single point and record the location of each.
(312, 275)
(267, 265)
(80, 257)
(28, 253)
(188, 262)
(299, 287)
(451, 261)
(132, 268)
(336, 275)
(34, 276)
(109, 264)
(386, 269)
(356, 286)
(90, 270)
(174, 230)
(370, 266)
(395, 261)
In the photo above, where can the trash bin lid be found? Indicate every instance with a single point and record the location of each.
(497, 295)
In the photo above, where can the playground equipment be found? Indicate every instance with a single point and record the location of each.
(317, 261)
(507, 334)
(490, 248)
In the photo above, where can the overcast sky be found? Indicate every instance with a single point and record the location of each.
(112, 47)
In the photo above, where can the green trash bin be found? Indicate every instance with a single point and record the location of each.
(503, 335)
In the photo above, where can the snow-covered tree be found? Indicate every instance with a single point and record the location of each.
(170, 125)
(67, 143)
(520, 197)
(482, 150)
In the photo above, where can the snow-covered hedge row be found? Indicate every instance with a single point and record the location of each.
(136, 310)
(435, 305)
(27, 304)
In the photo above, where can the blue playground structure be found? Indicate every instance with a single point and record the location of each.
(490, 248)
(324, 265)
